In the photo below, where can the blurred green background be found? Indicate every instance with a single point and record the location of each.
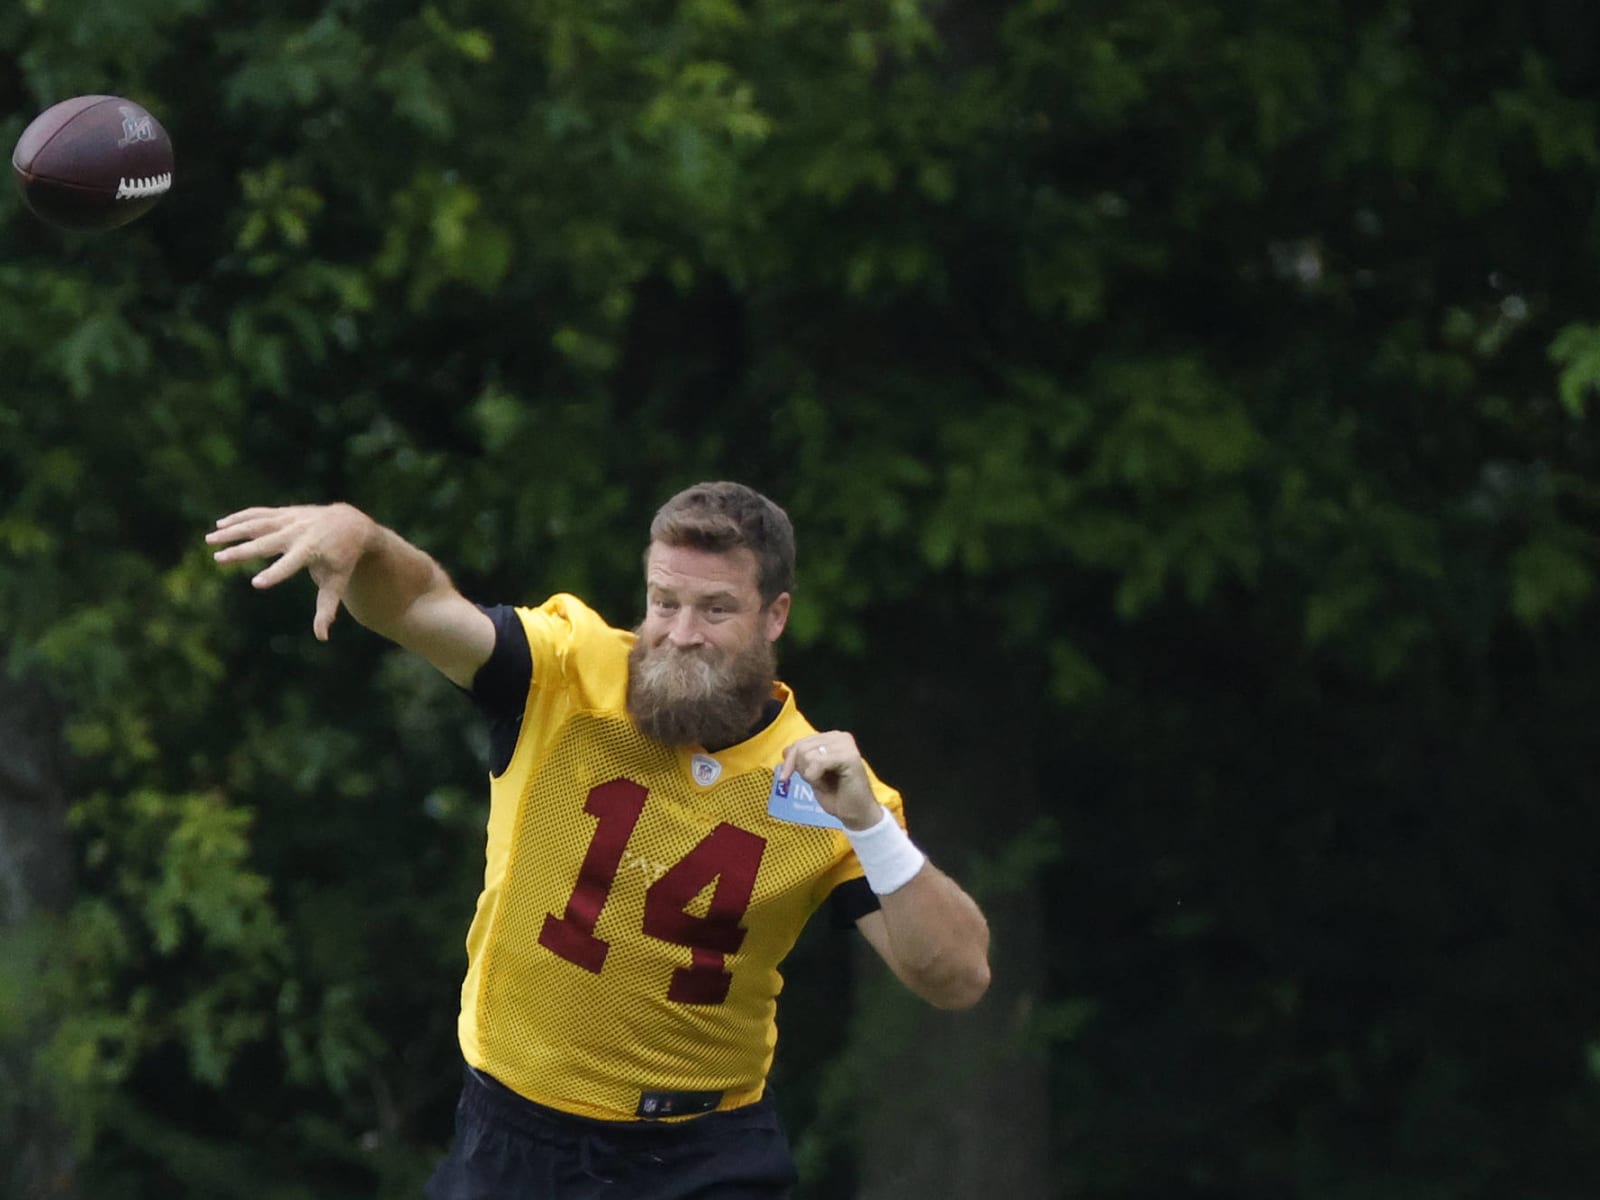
(1184, 406)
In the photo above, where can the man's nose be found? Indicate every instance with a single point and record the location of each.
(685, 629)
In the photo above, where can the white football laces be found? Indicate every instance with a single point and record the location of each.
(145, 187)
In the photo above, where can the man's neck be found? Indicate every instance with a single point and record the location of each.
(768, 714)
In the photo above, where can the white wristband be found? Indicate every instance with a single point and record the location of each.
(888, 856)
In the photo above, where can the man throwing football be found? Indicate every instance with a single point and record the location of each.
(662, 823)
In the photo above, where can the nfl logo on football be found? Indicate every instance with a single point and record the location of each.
(136, 127)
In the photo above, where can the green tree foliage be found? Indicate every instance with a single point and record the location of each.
(1216, 375)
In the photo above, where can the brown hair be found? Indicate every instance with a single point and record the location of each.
(724, 516)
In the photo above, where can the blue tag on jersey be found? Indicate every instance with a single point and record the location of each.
(796, 802)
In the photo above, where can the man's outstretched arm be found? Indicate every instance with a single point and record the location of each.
(389, 585)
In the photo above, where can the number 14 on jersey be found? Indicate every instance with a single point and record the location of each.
(727, 854)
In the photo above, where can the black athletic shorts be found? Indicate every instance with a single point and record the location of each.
(509, 1148)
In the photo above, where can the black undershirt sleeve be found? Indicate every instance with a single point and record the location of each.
(851, 901)
(500, 688)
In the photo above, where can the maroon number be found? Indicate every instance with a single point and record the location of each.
(727, 854)
(731, 856)
(616, 806)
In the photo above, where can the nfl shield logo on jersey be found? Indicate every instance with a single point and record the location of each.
(706, 769)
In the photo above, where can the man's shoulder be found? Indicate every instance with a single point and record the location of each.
(566, 608)
(569, 641)
(566, 622)
(789, 718)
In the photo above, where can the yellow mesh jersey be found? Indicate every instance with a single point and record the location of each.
(633, 915)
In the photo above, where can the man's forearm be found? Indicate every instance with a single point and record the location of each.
(940, 939)
(390, 576)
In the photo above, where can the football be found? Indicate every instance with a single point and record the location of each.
(93, 162)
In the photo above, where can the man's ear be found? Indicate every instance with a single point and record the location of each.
(777, 615)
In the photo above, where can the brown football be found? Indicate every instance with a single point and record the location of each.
(93, 162)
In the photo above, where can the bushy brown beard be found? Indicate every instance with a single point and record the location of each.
(701, 695)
